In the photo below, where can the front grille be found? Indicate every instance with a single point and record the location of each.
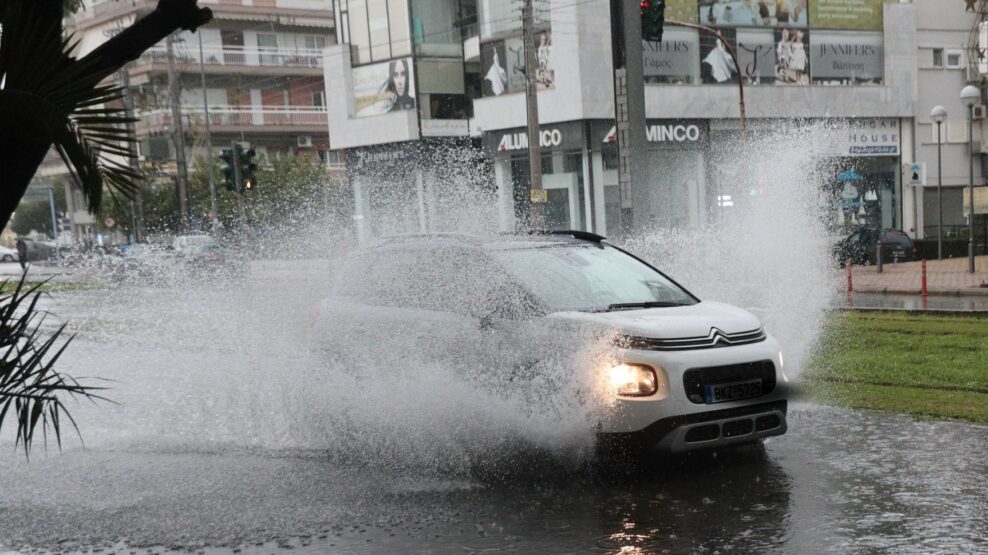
(695, 379)
(712, 340)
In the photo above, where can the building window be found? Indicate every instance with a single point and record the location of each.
(955, 58)
(267, 42)
(315, 42)
(319, 98)
(378, 30)
(938, 57)
(331, 158)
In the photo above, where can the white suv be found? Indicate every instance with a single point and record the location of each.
(678, 373)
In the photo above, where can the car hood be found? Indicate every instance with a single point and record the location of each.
(669, 323)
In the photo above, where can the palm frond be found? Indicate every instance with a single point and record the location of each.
(88, 131)
(31, 391)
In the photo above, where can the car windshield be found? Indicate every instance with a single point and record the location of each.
(590, 277)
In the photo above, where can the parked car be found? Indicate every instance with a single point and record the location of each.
(7, 255)
(677, 373)
(861, 246)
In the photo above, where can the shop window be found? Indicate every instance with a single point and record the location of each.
(955, 59)
(573, 163)
(938, 57)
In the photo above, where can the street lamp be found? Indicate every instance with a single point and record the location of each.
(970, 95)
(938, 115)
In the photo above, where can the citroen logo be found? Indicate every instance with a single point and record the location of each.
(717, 336)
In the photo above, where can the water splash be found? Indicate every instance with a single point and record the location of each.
(768, 248)
(201, 363)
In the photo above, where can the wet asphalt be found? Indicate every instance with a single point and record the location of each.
(185, 464)
(840, 481)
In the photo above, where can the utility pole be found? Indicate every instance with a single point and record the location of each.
(629, 104)
(178, 137)
(213, 215)
(137, 206)
(537, 195)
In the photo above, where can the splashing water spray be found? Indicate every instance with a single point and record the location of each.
(249, 363)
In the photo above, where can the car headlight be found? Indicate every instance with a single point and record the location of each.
(633, 380)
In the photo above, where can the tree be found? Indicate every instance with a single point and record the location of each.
(32, 216)
(48, 97)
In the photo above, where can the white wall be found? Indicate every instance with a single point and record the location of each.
(346, 131)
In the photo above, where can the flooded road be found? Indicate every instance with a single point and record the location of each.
(840, 482)
(226, 438)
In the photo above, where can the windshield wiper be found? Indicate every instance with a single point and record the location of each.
(645, 304)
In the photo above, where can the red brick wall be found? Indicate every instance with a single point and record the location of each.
(300, 90)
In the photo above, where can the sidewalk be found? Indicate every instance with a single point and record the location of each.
(943, 277)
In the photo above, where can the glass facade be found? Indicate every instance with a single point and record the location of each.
(865, 192)
(377, 30)
(783, 42)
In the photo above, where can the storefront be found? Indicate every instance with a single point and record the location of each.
(676, 193)
(859, 160)
(564, 171)
(866, 187)
(416, 187)
(579, 172)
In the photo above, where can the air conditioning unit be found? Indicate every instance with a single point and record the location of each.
(306, 140)
(979, 111)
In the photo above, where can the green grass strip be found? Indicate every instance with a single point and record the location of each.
(921, 364)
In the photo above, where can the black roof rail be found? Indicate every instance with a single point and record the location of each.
(575, 233)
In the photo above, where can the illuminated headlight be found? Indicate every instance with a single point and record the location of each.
(633, 380)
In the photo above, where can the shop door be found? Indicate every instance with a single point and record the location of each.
(562, 210)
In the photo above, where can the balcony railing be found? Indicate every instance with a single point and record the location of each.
(231, 116)
(231, 56)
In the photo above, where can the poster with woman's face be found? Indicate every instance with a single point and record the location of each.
(383, 87)
(753, 13)
(792, 57)
(716, 64)
(493, 70)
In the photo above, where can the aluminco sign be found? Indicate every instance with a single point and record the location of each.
(519, 140)
(672, 133)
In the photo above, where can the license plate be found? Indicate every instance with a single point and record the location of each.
(723, 393)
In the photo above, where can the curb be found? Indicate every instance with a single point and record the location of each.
(970, 292)
(973, 313)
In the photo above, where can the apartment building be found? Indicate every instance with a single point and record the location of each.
(261, 62)
(864, 74)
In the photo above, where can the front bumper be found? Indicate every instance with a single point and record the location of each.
(670, 421)
(719, 428)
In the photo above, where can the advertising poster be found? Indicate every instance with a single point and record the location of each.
(384, 87)
(681, 10)
(675, 59)
(503, 65)
(493, 68)
(847, 14)
(514, 50)
(792, 59)
(842, 58)
(717, 65)
(753, 13)
(756, 56)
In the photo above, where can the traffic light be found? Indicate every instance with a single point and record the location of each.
(229, 170)
(653, 19)
(248, 169)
